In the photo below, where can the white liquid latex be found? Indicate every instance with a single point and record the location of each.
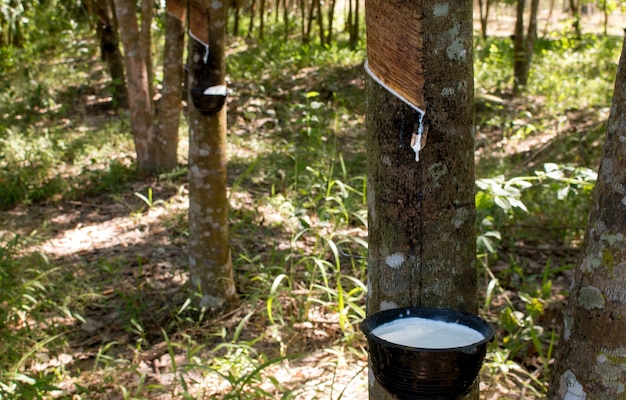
(427, 333)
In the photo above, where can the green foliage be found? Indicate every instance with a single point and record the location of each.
(23, 304)
(564, 71)
(559, 196)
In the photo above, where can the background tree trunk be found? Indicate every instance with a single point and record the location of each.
(262, 19)
(591, 354)
(320, 20)
(354, 23)
(147, 13)
(519, 48)
(483, 9)
(110, 50)
(524, 44)
(154, 153)
(171, 95)
(139, 99)
(574, 6)
(209, 248)
(251, 24)
(331, 18)
(421, 215)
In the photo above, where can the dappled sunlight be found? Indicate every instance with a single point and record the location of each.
(119, 231)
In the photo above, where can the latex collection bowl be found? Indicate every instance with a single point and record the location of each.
(424, 373)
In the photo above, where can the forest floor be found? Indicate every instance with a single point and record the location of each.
(124, 258)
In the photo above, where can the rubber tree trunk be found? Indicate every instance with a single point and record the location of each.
(154, 153)
(147, 14)
(165, 149)
(421, 215)
(139, 99)
(591, 355)
(210, 267)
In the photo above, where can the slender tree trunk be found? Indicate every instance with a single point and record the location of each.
(302, 17)
(139, 99)
(209, 249)
(309, 21)
(237, 8)
(519, 48)
(524, 44)
(251, 25)
(261, 19)
(354, 24)
(286, 19)
(170, 104)
(110, 50)
(531, 35)
(320, 21)
(277, 13)
(574, 6)
(591, 355)
(331, 18)
(147, 13)
(421, 215)
(483, 7)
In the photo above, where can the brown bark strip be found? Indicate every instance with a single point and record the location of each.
(394, 46)
(199, 20)
(177, 8)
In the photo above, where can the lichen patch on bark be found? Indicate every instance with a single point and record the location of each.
(395, 260)
(591, 297)
(570, 388)
(441, 10)
(387, 305)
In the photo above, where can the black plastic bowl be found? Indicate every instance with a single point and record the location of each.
(422, 373)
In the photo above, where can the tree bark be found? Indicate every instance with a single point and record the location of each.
(147, 12)
(154, 153)
(592, 355)
(209, 249)
(320, 21)
(139, 99)
(519, 49)
(309, 22)
(251, 24)
(331, 18)
(354, 25)
(262, 19)
(524, 44)
(483, 9)
(421, 215)
(110, 50)
(171, 95)
(286, 20)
